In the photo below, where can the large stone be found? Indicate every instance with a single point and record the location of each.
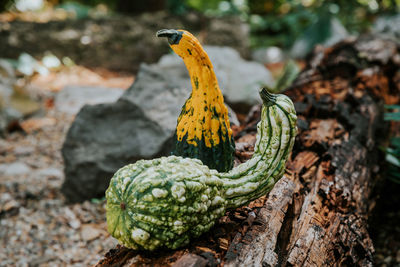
(72, 98)
(239, 80)
(387, 26)
(268, 55)
(105, 137)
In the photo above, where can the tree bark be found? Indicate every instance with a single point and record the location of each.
(316, 215)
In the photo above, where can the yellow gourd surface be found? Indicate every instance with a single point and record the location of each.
(204, 114)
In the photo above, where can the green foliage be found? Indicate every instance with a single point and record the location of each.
(80, 10)
(98, 200)
(393, 151)
(392, 116)
(289, 74)
(280, 22)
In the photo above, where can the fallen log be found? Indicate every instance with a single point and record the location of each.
(316, 215)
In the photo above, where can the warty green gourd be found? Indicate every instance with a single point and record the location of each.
(167, 201)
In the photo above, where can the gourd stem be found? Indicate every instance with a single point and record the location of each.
(267, 97)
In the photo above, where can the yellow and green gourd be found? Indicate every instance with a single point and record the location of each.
(165, 202)
(203, 130)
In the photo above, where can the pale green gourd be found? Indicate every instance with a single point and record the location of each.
(166, 201)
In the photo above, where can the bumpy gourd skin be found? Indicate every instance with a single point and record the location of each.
(203, 129)
(167, 201)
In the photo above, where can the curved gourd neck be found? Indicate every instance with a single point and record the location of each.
(200, 70)
(204, 114)
(275, 138)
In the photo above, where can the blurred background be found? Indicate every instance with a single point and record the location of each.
(57, 56)
(265, 30)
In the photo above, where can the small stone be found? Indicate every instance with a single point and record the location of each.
(13, 204)
(15, 168)
(51, 172)
(75, 224)
(268, 55)
(23, 150)
(133, 261)
(388, 259)
(4, 197)
(89, 232)
(6, 70)
(72, 98)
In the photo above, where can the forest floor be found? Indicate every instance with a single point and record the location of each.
(39, 228)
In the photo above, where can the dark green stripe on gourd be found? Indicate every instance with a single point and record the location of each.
(167, 201)
(217, 155)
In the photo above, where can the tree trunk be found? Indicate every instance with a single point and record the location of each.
(316, 215)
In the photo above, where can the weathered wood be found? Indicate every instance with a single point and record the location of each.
(335, 161)
(316, 215)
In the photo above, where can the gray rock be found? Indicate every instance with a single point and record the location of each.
(388, 27)
(50, 172)
(191, 260)
(267, 55)
(89, 232)
(233, 119)
(6, 70)
(72, 98)
(105, 137)
(15, 168)
(23, 150)
(239, 79)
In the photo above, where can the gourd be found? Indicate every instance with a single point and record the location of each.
(203, 129)
(166, 201)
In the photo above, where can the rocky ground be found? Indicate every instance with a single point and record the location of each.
(37, 226)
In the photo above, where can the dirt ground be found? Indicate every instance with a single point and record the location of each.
(37, 227)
